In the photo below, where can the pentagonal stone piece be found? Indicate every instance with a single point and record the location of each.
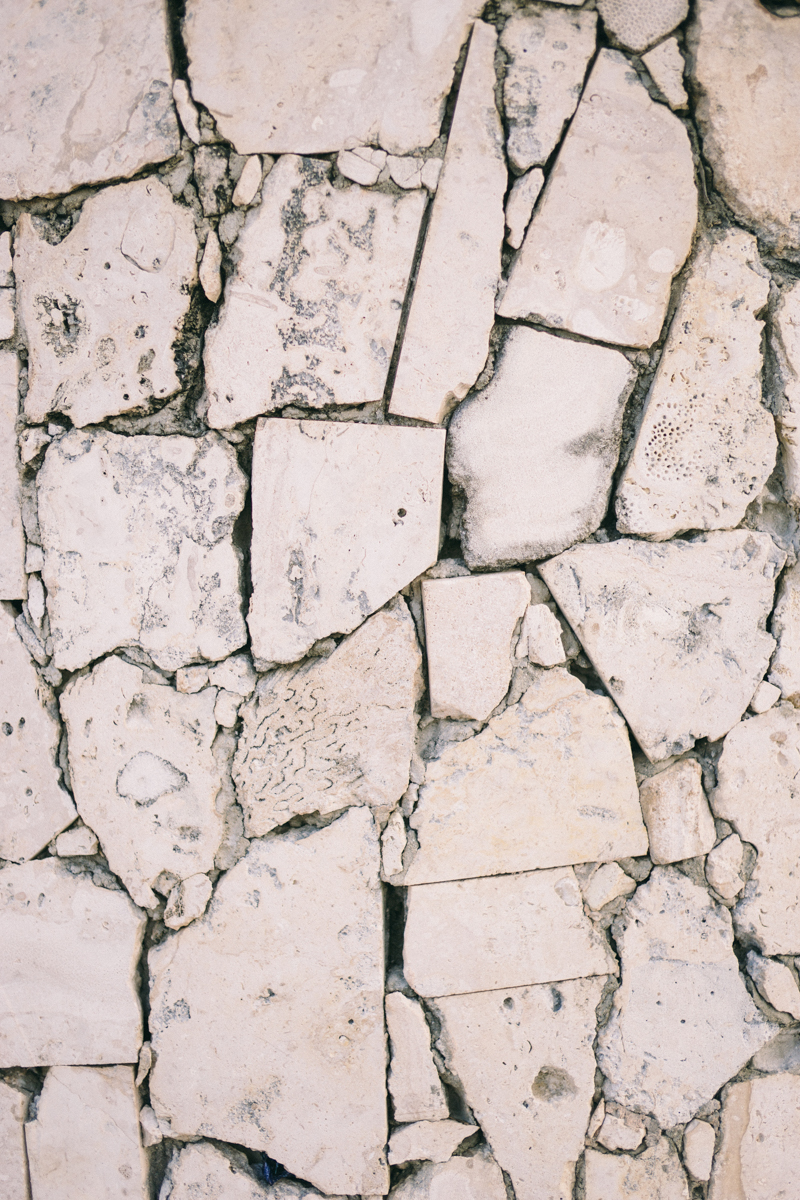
(13, 583)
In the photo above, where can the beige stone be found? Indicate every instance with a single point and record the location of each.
(655, 1175)
(723, 865)
(606, 884)
(13, 1159)
(666, 66)
(764, 697)
(362, 164)
(519, 205)
(760, 1132)
(7, 314)
(414, 1085)
(636, 24)
(785, 666)
(6, 261)
(393, 843)
(676, 813)
(698, 1149)
(191, 679)
(540, 639)
(80, 840)
(405, 171)
(249, 181)
(776, 983)
(446, 339)
(186, 110)
(235, 674)
(785, 345)
(431, 173)
(13, 584)
(211, 268)
(781, 1054)
(621, 1130)
(431, 1141)
(205, 1172)
(475, 1178)
(616, 220)
(187, 901)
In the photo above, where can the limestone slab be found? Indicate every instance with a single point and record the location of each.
(519, 205)
(636, 24)
(13, 1159)
(676, 631)
(294, 942)
(785, 345)
(723, 866)
(137, 536)
(698, 1149)
(616, 220)
(676, 813)
(535, 451)
(86, 94)
(784, 671)
(760, 1129)
(776, 983)
(344, 516)
(13, 585)
(431, 1141)
(656, 1174)
(68, 972)
(414, 1084)
(666, 66)
(682, 1021)
(205, 1172)
(477, 1177)
(312, 308)
(549, 782)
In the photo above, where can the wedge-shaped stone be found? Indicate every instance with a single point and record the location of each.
(656, 1174)
(676, 631)
(475, 1178)
(68, 971)
(785, 345)
(549, 782)
(13, 1159)
(414, 1084)
(85, 1140)
(86, 94)
(446, 339)
(706, 445)
(682, 1021)
(102, 310)
(476, 935)
(334, 731)
(636, 24)
(666, 66)
(344, 516)
(312, 310)
(138, 548)
(776, 983)
(785, 625)
(525, 1061)
(676, 813)
(13, 582)
(616, 220)
(205, 1172)
(431, 1141)
(293, 941)
(723, 866)
(760, 1132)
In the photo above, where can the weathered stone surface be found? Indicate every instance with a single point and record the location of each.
(211, 268)
(785, 344)
(86, 94)
(781, 1054)
(80, 840)
(344, 516)
(138, 548)
(519, 206)
(186, 110)
(723, 865)
(706, 445)
(776, 983)
(548, 51)
(636, 24)
(676, 631)
(475, 1178)
(249, 181)
(362, 164)
(549, 782)
(535, 451)
(446, 339)
(666, 66)
(68, 972)
(205, 1172)
(760, 1131)
(334, 731)
(431, 1141)
(744, 68)
(85, 1140)
(676, 813)
(682, 1021)
(607, 883)
(621, 1130)
(7, 314)
(524, 1058)
(656, 1174)
(13, 585)
(393, 843)
(13, 1160)
(312, 309)
(414, 1085)
(187, 901)
(294, 942)
(698, 1149)
(476, 935)
(765, 695)
(784, 670)
(616, 220)
(540, 639)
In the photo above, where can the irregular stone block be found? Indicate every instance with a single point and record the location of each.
(431, 1141)
(785, 346)
(362, 164)
(765, 695)
(137, 535)
(249, 181)
(186, 110)
(666, 66)
(781, 1054)
(540, 639)
(13, 1159)
(344, 516)
(676, 813)
(776, 983)
(723, 865)
(656, 1174)
(698, 1149)
(80, 840)
(475, 1178)
(13, 582)
(760, 1130)
(784, 670)
(607, 883)
(519, 206)
(294, 943)
(616, 221)
(414, 1084)
(636, 24)
(205, 1172)
(211, 269)
(621, 1130)
(676, 631)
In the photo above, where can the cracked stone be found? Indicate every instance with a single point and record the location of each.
(431, 1141)
(78, 841)
(362, 164)
(519, 206)
(13, 1159)
(699, 1139)
(187, 901)
(636, 24)
(540, 638)
(666, 66)
(406, 172)
(676, 813)
(760, 1131)
(765, 695)
(13, 585)
(621, 1130)
(187, 112)
(205, 1172)
(414, 1084)
(606, 884)
(723, 866)
(785, 345)
(785, 625)
(776, 983)
(393, 843)
(781, 1054)
(475, 1178)
(656, 1174)
(7, 314)
(211, 176)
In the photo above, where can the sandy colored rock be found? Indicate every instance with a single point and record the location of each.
(636, 24)
(211, 268)
(13, 584)
(475, 1178)
(312, 308)
(536, 450)
(776, 983)
(334, 731)
(723, 865)
(362, 164)
(137, 535)
(675, 631)
(616, 221)
(676, 813)
(414, 1085)
(706, 445)
(205, 1172)
(294, 943)
(7, 314)
(549, 782)
(666, 66)
(235, 674)
(785, 626)
(621, 1130)
(85, 1140)
(393, 843)
(760, 1131)
(68, 972)
(249, 181)
(765, 696)
(86, 94)
(80, 840)
(446, 340)
(656, 1174)
(519, 205)
(607, 883)
(344, 516)
(785, 346)
(698, 1149)
(540, 639)
(13, 1160)
(524, 1058)
(186, 110)
(682, 1021)
(432, 1141)
(781, 1054)
(187, 901)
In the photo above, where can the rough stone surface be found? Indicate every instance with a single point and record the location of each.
(540, 639)
(723, 865)
(211, 268)
(186, 110)
(344, 515)
(621, 1130)
(616, 220)
(636, 24)
(13, 584)
(785, 344)
(656, 1174)
(698, 1149)
(205, 1172)
(607, 883)
(249, 181)
(666, 66)
(776, 983)
(13, 1159)
(781, 1054)
(676, 813)
(535, 451)
(519, 206)
(187, 901)
(431, 1141)
(760, 1132)
(80, 840)
(475, 1178)
(414, 1085)
(765, 695)
(784, 670)
(675, 631)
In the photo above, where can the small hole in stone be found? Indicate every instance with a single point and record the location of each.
(508, 1002)
(107, 266)
(401, 512)
(7, 730)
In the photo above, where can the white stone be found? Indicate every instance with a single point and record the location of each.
(211, 268)
(312, 308)
(475, 1178)
(187, 901)
(785, 666)
(293, 943)
(621, 1130)
(446, 339)
(226, 708)
(469, 628)
(698, 1149)
(676, 631)
(85, 1139)
(607, 883)
(235, 674)
(344, 516)
(535, 451)
(249, 181)
(540, 637)
(205, 1172)
(776, 983)
(723, 865)
(676, 813)
(525, 1061)
(549, 782)
(744, 67)
(785, 345)
(187, 112)
(654, 1175)
(666, 66)
(706, 444)
(69, 968)
(548, 51)
(414, 1085)
(757, 1158)
(80, 840)
(137, 537)
(764, 697)
(13, 1159)
(431, 1141)
(393, 843)
(12, 538)
(431, 173)
(476, 935)
(191, 679)
(101, 310)
(406, 172)
(363, 164)
(86, 94)
(616, 220)
(636, 24)
(519, 205)
(682, 1021)
(7, 314)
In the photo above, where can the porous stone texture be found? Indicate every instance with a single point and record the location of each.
(636, 24)
(428, 1141)
(413, 1081)
(676, 813)
(784, 670)
(477, 1177)
(205, 1172)
(13, 1158)
(656, 1174)
(13, 583)
(666, 66)
(760, 1127)
(785, 345)
(776, 983)
(698, 1149)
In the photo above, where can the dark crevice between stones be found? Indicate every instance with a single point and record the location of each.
(176, 13)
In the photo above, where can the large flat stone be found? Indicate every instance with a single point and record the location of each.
(785, 345)
(414, 1084)
(676, 631)
(312, 309)
(760, 1129)
(293, 941)
(13, 582)
(344, 516)
(656, 1174)
(616, 220)
(13, 1159)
